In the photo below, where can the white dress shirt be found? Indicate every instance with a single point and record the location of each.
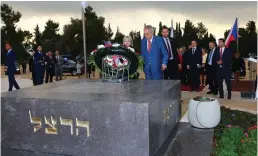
(9, 51)
(168, 46)
(193, 50)
(222, 50)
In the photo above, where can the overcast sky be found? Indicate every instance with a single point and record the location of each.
(217, 16)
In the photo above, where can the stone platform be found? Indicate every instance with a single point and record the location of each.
(80, 117)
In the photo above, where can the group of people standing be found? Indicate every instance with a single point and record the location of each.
(45, 65)
(162, 60)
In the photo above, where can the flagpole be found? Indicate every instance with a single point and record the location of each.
(84, 37)
(237, 34)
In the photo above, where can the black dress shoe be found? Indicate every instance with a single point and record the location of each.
(215, 93)
(210, 92)
(229, 97)
(221, 97)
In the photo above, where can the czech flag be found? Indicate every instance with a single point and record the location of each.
(233, 34)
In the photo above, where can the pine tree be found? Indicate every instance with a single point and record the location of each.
(160, 29)
(37, 35)
(109, 33)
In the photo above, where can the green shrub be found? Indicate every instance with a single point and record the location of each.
(249, 144)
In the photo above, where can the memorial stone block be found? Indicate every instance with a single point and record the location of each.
(90, 118)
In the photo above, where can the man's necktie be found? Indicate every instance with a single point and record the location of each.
(169, 49)
(220, 53)
(149, 45)
(210, 56)
(193, 50)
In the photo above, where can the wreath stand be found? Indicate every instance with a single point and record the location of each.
(114, 74)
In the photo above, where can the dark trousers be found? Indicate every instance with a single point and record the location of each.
(33, 77)
(224, 76)
(12, 82)
(39, 76)
(194, 78)
(24, 69)
(49, 75)
(185, 79)
(172, 71)
(212, 80)
(181, 74)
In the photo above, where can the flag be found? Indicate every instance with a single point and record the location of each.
(233, 34)
(172, 30)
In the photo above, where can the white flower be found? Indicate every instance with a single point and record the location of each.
(131, 49)
(115, 45)
(91, 53)
(100, 46)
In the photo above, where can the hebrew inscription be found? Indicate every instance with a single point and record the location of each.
(52, 125)
(167, 112)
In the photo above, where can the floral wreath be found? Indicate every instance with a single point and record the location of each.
(115, 58)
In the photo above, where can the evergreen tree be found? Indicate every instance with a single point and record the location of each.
(160, 29)
(109, 33)
(50, 37)
(9, 18)
(201, 30)
(190, 33)
(37, 36)
(118, 36)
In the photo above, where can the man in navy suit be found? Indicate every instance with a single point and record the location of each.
(173, 66)
(224, 60)
(194, 62)
(39, 65)
(211, 67)
(154, 54)
(10, 66)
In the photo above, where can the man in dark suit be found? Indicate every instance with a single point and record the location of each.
(49, 67)
(172, 71)
(223, 60)
(10, 66)
(211, 67)
(58, 61)
(194, 62)
(31, 67)
(39, 66)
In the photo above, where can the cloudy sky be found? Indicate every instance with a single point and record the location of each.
(217, 16)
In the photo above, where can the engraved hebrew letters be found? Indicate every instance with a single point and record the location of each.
(52, 125)
(35, 120)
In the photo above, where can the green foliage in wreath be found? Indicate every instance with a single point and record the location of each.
(102, 48)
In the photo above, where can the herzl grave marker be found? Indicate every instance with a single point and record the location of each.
(90, 118)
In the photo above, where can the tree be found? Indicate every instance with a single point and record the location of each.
(26, 36)
(154, 30)
(96, 33)
(10, 18)
(160, 29)
(50, 37)
(201, 30)
(190, 33)
(118, 36)
(252, 38)
(109, 33)
(72, 40)
(37, 36)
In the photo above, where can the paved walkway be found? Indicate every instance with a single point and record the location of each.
(238, 103)
(23, 83)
